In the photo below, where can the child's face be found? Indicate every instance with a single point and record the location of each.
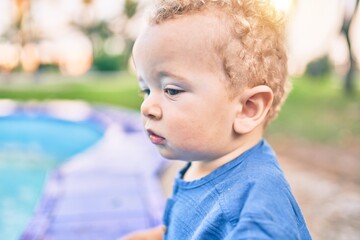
(186, 111)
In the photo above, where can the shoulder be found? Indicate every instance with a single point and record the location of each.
(266, 185)
(262, 204)
(258, 189)
(259, 172)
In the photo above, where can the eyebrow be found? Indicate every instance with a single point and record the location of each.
(163, 74)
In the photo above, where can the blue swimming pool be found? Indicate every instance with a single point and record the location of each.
(32, 144)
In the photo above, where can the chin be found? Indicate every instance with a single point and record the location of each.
(168, 156)
(174, 157)
(165, 153)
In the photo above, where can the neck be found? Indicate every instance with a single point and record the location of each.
(200, 169)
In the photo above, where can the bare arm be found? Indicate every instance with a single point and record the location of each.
(149, 234)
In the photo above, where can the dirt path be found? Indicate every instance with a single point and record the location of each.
(327, 189)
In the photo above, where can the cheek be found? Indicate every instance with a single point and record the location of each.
(184, 126)
(197, 142)
(201, 123)
(193, 131)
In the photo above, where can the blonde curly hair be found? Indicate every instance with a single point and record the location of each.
(254, 51)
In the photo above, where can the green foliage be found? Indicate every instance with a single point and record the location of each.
(318, 110)
(130, 8)
(99, 29)
(48, 67)
(107, 62)
(319, 67)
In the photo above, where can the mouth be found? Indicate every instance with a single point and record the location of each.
(155, 139)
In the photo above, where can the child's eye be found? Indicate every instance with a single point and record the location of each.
(145, 92)
(172, 91)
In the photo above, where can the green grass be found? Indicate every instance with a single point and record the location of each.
(316, 109)
(118, 90)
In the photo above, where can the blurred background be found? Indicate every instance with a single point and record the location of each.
(79, 51)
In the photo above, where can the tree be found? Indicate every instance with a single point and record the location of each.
(23, 34)
(100, 31)
(350, 75)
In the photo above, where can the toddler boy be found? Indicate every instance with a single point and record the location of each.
(214, 74)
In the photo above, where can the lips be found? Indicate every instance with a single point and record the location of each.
(155, 139)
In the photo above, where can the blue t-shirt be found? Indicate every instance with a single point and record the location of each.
(247, 198)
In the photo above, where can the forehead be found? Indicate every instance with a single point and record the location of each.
(195, 34)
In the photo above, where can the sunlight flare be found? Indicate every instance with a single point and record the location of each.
(282, 5)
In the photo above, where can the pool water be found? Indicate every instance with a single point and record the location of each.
(31, 146)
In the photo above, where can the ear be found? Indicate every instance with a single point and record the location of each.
(253, 106)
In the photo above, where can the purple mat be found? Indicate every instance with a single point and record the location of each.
(105, 192)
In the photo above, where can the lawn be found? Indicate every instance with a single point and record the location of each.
(316, 110)
(114, 89)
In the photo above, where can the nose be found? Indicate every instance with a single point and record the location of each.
(151, 108)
